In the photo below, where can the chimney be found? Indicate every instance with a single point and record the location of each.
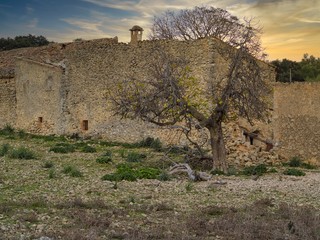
(136, 34)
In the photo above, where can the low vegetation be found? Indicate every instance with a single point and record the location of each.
(90, 189)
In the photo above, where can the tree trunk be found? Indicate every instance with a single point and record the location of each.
(217, 147)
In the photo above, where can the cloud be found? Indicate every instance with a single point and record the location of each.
(33, 23)
(290, 27)
(30, 10)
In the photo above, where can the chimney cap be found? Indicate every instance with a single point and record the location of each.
(136, 28)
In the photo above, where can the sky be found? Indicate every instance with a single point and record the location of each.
(291, 28)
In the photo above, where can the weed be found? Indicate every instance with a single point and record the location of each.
(62, 148)
(272, 170)
(48, 164)
(151, 143)
(7, 130)
(189, 186)
(105, 158)
(255, 170)
(135, 157)
(232, 171)
(88, 149)
(52, 173)
(4, 149)
(295, 162)
(132, 199)
(294, 172)
(123, 153)
(214, 210)
(22, 133)
(22, 153)
(72, 171)
(30, 217)
(164, 176)
(217, 172)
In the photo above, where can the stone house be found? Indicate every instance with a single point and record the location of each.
(61, 88)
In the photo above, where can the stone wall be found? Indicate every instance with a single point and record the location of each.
(297, 119)
(92, 68)
(80, 74)
(40, 99)
(7, 101)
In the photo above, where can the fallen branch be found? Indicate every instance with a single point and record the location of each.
(193, 175)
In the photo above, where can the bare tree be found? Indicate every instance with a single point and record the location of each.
(170, 94)
(201, 22)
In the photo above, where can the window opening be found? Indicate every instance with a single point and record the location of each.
(85, 125)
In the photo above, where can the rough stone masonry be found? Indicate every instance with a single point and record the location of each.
(62, 89)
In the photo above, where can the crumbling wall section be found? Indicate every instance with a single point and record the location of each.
(297, 119)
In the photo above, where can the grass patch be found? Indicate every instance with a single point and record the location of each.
(294, 172)
(72, 171)
(128, 173)
(105, 158)
(22, 153)
(4, 149)
(48, 164)
(297, 162)
(52, 173)
(255, 170)
(148, 142)
(88, 149)
(62, 148)
(135, 157)
(7, 130)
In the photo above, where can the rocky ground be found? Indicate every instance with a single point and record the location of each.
(42, 202)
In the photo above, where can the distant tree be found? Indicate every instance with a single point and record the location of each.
(170, 95)
(287, 70)
(78, 40)
(22, 41)
(310, 68)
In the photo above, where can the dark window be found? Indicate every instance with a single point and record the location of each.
(40, 119)
(85, 125)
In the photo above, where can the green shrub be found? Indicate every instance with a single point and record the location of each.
(72, 171)
(126, 172)
(62, 148)
(22, 133)
(135, 157)
(308, 166)
(295, 162)
(48, 165)
(105, 158)
(7, 130)
(217, 172)
(52, 173)
(294, 172)
(255, 170)
(22, 153)
(151, 143)
(148, 173)
(272, 170)
(189, 186)
(4, 149)
(88, 149)
(164, 176)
